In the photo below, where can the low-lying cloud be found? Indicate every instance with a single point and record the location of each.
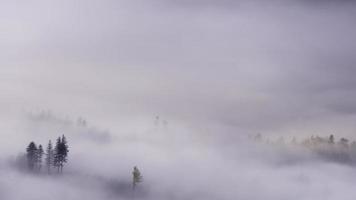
(177, 88)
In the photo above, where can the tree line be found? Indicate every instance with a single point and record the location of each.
(310, 142)
(340, 150)
(55, 157)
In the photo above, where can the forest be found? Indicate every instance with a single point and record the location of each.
(54, 157)
(330, 148)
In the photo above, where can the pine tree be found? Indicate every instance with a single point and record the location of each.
(65, 150)
(31, 154)
(57, 156)
(39, 157)
(61, 153)
(49, 156)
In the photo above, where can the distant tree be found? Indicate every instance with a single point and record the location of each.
(31, 154)
(65, 150)
(61, 153)
(344, 142)
(331, 139)
(81, 122)
(49, 156)
(39, 157)
(136, 178)
(56, 159)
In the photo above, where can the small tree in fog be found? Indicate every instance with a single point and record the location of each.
(31, 154)
(49, 156)
(136, 178)
(344, 142)
(39, 157)
(331, 139)
(61, 153)
(65, 151)
(56, 160)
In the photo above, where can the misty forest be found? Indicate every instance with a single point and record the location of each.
(177, 100)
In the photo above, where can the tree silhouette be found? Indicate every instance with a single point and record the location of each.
(39, 157)
(331, 139)
(344, 142)
(31, 154)
(61, 153)
(49, 156)
(65, 149)
(56, 160)
(136, 178)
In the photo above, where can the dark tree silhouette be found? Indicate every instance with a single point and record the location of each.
(31, 154)
(49, 156)
(56, 160)
(61, 153)
(331, 139)
(136, 178)
(344, 142)
(39, 157)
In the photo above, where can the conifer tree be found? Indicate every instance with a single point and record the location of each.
(331, 139)
(49, 156)
(65, 150)
(57, 154)
(31, 154)
(61, 153)
(39, 157)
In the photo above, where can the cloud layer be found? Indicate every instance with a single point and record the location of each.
(213, 71)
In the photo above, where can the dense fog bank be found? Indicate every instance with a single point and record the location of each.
(204, 97)
(175, 165)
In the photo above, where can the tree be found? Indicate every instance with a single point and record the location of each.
(61, 153)
(49, 156)
(81, 122)
(39, 157)
(344, 142)
(136, 178)
(331, 139)
(65, 149)
(31, 154)
(56, 160)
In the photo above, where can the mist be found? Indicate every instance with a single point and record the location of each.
(213, 99)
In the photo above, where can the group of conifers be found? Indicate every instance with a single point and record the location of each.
(54, 157)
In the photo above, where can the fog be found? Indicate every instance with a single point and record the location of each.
(203, 96)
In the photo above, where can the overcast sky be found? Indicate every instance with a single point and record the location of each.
(276, 67)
